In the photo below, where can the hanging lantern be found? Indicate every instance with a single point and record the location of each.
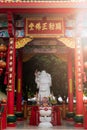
(85, 64)
(2, 64)
(3, 48)
(4, 100)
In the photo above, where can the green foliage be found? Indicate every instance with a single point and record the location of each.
(53, 65)
(53, 101)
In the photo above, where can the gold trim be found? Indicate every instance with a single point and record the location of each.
(69, 42)
(10, 115)
(70, 83)
(44, 35)
(78, 123)
(79, 115)
(11, 122)
(21, 42)
(19, 85)
(33, 18)
(47, 18)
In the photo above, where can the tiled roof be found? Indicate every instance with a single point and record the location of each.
(42, 0)
(43, 4)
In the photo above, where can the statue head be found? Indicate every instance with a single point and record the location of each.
(43, 71)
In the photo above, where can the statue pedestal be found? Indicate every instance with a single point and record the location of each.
(45, 117)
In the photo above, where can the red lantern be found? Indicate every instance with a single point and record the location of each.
(2, 64)
(3, 48)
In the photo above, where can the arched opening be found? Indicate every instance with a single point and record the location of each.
(54, 66)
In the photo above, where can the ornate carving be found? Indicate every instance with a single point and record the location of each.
(21, 42)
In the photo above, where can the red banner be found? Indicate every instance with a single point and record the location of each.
(44, 27)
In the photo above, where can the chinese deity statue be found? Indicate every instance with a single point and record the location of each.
(43, 81)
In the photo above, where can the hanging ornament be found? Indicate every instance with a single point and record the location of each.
(3, 48)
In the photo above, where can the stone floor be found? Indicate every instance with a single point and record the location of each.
(24, 126)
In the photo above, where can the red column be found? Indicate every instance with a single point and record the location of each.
(19, 88)
(79, 85)
(11, 118)
(70, 113)
(4, 116)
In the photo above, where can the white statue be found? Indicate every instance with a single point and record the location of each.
(43, 80)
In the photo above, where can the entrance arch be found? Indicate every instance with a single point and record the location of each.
(45, 46)
(12, 70)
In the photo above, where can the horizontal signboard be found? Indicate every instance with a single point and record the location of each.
(44, 27)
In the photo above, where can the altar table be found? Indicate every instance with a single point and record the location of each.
(35, 116)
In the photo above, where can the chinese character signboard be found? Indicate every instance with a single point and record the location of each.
(45, 27)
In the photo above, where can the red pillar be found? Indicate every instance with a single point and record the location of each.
(19, 113)
(70, 113)
(4, 116)
(11, 118)
(79, 84)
